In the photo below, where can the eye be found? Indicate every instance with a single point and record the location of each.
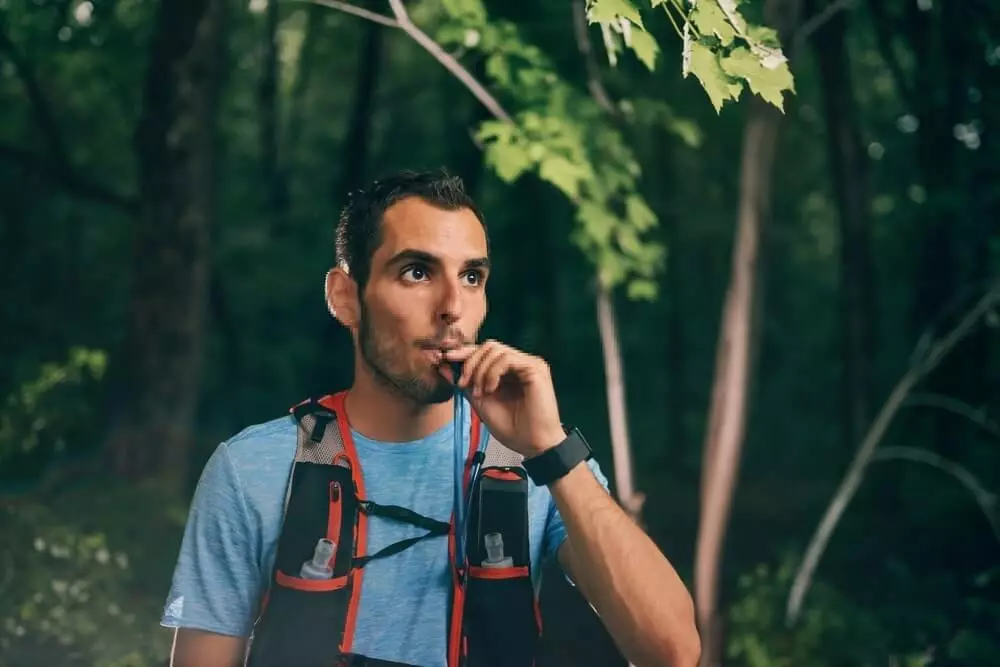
(414, 273)
(474, 278)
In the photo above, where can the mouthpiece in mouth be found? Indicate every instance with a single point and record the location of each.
(456, 371)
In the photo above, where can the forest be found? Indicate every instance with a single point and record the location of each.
(751, 238)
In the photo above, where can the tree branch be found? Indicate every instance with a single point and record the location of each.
(360, 12)
(43, 116)
(814, 23)
(979, 416)
(403, 22)
(68, 179)
(448, 62)
(984, 498)
(919, 369)
(597, 90)
(58, 167)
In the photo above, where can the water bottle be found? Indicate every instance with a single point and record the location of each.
(494, 552)
(319, 567)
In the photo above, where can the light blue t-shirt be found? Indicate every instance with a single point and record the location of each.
(231, 535)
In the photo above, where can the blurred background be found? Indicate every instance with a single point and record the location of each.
(170, 178)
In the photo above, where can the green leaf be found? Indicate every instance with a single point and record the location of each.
(709, 19)
(468, 11)
(645, 48)
(769, 84)
(687, 131)
(608, 11)
(508, 160)
(642, 289)
(597, 223)
(639, 213)
(717, 84)
(504, 152)
(761, 34)
(563, 174)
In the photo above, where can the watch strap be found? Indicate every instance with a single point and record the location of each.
(555, 462)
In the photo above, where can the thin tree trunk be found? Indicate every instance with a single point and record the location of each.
(176, 151)
(631, 501)
(272, 175)
(850, 185)
(727, 415)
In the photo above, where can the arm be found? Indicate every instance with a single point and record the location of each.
(641, 600)
(198, 648)
(216, 582)
(636, 591)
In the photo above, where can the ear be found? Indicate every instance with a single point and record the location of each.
(342, 297)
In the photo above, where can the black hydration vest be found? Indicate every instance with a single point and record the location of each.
(309, 622)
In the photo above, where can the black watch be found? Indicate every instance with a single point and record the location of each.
(553, 463)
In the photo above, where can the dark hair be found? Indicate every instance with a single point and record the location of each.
(359, 231)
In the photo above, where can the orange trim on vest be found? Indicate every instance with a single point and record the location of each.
(455, 638)
(334, 516)
(508, 475)
(311, 585)
(498, 572)
(336, 404)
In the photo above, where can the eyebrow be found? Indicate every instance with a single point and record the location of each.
(412, 255)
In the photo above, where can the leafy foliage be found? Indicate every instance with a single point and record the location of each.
(83, 582)
(565, 138)
(51, 409)
(723, 51)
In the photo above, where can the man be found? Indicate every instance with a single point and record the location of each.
(412, 266)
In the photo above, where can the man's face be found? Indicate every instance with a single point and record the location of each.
(425, 293)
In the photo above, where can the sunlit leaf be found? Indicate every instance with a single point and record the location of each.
(769, 84)
(717, 84)
(708, 18)
(607, 11)
(645, 48)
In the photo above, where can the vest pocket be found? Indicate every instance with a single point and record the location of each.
(501, 621)
(303, 620)
(302, 624)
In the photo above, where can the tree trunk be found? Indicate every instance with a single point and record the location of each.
(176, 152)
(630, 500)
(849, 170)
(303, 73)
(353, 167)
(272, 175)
(727, 414)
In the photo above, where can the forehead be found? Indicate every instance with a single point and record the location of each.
(414, 224)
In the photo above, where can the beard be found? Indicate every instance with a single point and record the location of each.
(382, 356)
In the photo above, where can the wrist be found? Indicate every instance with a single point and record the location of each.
(544, 443)
(558, 459)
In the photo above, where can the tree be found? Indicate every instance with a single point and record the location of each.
(849, 168)
(176, 149)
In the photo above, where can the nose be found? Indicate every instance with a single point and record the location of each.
(450, 303)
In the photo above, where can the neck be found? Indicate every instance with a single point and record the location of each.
(379, 413)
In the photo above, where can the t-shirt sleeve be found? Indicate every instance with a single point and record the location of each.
(216, 582)
(555, 529)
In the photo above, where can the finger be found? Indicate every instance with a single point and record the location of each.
(472, 361)
(495, 361)
(462, 353)
(500, 366)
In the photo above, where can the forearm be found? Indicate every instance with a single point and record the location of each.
(641, 600)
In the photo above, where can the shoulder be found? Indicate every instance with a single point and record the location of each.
(263, 442)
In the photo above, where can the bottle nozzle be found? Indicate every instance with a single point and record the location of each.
(319, 567)
(494, 547)
(322, 553)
